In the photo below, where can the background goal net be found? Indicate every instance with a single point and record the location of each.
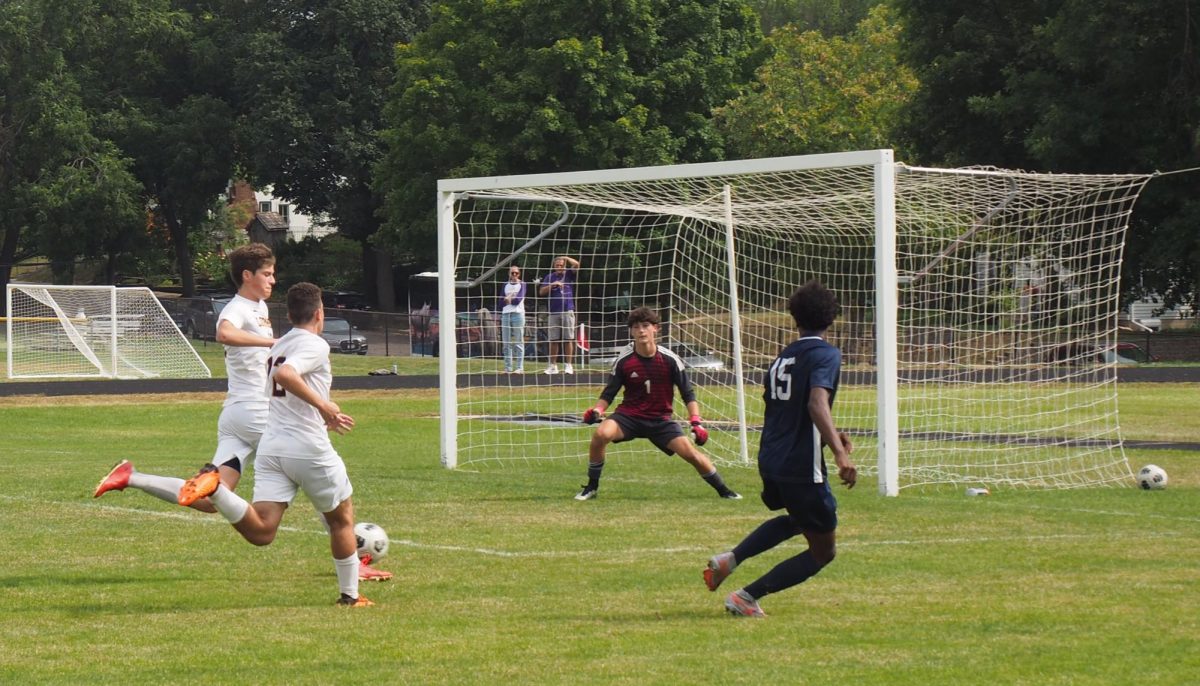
(979, 308)
(94, 331)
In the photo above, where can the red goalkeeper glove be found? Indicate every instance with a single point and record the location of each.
(593, 416)
(699, 431)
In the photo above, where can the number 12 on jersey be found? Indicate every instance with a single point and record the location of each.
(781, 378)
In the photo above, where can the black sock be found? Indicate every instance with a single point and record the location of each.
(768, 535)
(786, 574)
(594, 475)
(716, 482)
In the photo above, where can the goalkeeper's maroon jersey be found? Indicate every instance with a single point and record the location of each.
(649, 383)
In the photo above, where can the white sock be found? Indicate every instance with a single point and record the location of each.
(231, 505)
(161, 487)
(347, 574)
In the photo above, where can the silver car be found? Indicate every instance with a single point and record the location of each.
(343, 338)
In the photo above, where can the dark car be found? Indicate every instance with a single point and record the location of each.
(344, 300)
(199, 319)
(343, 338)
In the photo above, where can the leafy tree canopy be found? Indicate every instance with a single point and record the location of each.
(818, 94)
(1070, 86)
(520, 87)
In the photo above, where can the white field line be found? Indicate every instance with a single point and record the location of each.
(205, 519)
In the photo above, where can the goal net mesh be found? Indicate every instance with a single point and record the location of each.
(94, 331)
(1007, 304)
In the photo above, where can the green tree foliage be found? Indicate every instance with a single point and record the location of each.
(156, 86)
(64, 190)
(311, 77)
(830, 17)
(1070, 86)
(817, 94)
(519, 87)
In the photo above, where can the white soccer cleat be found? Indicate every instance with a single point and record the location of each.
(587, 493)
(740, 605)
(719, 567)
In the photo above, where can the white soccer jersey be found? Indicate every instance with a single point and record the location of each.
(246, 366)
(295, 428)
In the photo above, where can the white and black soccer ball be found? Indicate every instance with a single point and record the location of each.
(372, 541)
(1152, 478)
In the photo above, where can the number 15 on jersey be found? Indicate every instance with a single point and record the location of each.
(781, 378)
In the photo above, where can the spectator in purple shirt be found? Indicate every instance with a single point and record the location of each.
(559, 285)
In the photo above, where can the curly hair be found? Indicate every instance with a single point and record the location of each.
(813, 306)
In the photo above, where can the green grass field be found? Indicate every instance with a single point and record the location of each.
(503, 578)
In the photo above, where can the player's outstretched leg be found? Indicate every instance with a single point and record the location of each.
(116, 479)
(200, 486)
(719, 567)
(741, 604)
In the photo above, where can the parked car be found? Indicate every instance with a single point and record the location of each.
(1080, 354)
(1134, 352)
(343, 338)
(344, 300)
(200, 317)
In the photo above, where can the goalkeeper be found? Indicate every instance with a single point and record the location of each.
(649, 373)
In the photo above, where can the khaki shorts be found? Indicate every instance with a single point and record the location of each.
(560, 326)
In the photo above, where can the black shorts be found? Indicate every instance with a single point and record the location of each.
(812, 506)
(660, 431)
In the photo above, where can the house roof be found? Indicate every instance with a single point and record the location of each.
(271, 221)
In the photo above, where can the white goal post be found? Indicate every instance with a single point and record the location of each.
(94, 331)
(978, 328)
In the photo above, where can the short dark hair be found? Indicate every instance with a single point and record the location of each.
(303, 301)
(643, 314)
(813, 306)
(250, 258)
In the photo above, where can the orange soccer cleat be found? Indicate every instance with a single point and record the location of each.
(200, 486)
(347, 601)
(116, 480)
(368, 573)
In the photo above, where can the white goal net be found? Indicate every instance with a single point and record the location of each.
(94, 331)
(978, 328)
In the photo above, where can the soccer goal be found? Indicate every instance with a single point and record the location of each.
(979, 305)
(94, 331)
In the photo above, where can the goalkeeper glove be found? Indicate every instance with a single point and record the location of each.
(699, 431)
(593, 416)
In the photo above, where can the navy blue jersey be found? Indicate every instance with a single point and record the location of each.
(790, 448)
(649, 383)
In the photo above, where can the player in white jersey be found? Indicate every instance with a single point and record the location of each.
(244, 328)
(295, 453)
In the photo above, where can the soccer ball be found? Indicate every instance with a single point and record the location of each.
(1152, 478)
(372, 541)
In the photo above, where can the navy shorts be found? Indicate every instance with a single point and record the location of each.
(660, 431)
(811, 506)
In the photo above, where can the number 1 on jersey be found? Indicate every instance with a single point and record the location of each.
(272, 362)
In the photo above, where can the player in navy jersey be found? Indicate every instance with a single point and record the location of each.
(800, 386)
(649, 374)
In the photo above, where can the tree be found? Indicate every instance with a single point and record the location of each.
(829, 17)
(1071, 86)
(817, 94)
(311, 77)
(503, 88)
(64, 190)
(157, 85)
